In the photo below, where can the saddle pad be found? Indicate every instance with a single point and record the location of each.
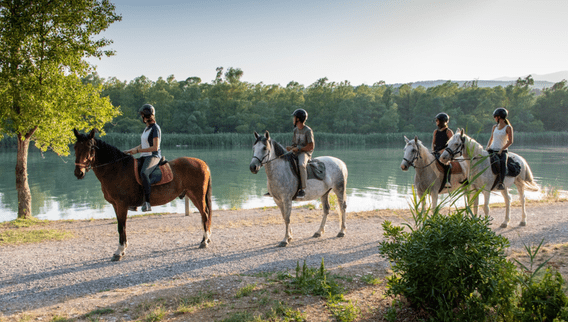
(316, 169)
(513, 167)
(456, 167)
(164, 169)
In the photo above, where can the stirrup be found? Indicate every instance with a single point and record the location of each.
(500, 186)
(301, 194)
(146, 206)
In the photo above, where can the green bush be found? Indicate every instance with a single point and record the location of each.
(543, 300)
(452, 266)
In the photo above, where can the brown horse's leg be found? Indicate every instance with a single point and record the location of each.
(202, 201)
(121, 212)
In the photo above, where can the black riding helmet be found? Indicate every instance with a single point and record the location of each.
(443, 117)
(301, 114)
(501, 112)
(147, 109)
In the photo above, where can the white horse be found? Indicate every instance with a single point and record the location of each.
(283, 184)
(428, 177)
(478, 164)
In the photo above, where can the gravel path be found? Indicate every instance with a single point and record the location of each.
(165, 249)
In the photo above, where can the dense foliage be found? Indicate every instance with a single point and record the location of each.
(229, 105)
(453, 266)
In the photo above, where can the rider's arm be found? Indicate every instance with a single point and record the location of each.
(509, 137)
(309, 147)
(433, 139)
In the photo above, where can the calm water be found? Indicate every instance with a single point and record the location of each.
(375, 181)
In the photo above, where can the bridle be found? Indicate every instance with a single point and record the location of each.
(416, 157)
(88, 163)
(267, 155)
(458, 151)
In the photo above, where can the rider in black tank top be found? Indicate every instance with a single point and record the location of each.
(440, 139)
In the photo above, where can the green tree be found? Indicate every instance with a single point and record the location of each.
(43, 44)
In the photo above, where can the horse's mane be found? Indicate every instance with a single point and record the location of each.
(107, 153)
(470, 142)
(279, 149)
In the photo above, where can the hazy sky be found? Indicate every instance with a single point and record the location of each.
(363, 42)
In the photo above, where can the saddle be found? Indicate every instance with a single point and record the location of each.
(315, 169)
(162, 174)
(513, 167)
(455, 168)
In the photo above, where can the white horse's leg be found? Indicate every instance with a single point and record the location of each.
(434, 196)
(507, 198)
(186, 205)
(486, 195)
(342, 204)
(286, 209)
(521, 190)
(121, 250)
(325, 204)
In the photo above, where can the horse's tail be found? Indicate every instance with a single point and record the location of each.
(208, 205)
(528, 180)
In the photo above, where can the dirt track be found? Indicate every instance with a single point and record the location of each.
(70, 276)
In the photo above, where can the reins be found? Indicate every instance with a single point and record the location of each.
(88, 165)
(268, 156)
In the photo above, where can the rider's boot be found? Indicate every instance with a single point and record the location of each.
(301, 194)
(146, 205)
(449, 176)
(133, 208)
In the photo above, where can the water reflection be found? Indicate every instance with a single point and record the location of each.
(375, 181)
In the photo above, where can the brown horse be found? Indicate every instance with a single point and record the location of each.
(115, 171)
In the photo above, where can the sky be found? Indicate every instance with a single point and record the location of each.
(360, 41)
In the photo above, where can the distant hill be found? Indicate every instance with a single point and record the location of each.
(538, 84)
(553, 77)
(540, 81)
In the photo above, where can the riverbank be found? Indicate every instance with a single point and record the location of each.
(164, 267)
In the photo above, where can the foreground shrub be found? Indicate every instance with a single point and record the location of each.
(452, 266)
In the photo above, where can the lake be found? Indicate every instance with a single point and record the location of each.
(375, 181)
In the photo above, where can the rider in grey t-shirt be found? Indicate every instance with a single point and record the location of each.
(302, 145)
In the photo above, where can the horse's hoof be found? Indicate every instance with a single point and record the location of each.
(341, 235)
(504, 225)
(283, 244)
(116, 258)
(317, 235)
(523, 223)
(204, 243)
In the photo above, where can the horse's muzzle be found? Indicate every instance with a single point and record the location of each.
(254, 166)
(403, 166)
(444, 157)
(79, 173)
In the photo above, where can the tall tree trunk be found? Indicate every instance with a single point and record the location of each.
(22, 186)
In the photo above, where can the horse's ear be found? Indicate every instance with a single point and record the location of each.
(256, 135)
(406, 139)
(463, 131)
(267, 135)
(92, 134)
(77, 135)
(416, 138)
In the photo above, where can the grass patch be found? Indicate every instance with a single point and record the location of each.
(245, 291)
(23, 223)
(14, 236)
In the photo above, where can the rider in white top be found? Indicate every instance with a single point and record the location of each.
(501, 138)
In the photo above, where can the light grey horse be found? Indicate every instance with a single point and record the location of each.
(477, 162)
(283, 184)
(428, 177)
